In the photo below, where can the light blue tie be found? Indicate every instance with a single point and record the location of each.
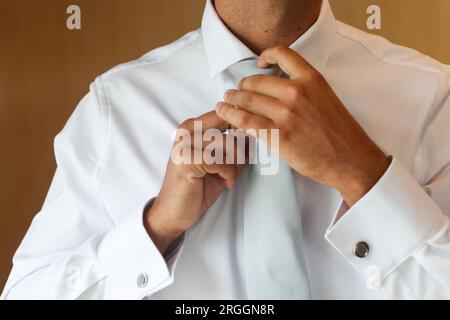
(275, 264)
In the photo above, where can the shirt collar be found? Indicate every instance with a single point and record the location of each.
(223, 48)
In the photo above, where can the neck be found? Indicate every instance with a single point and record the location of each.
(262, 24)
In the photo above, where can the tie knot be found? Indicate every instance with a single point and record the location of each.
(249, 67)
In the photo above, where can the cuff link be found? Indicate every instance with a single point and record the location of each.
(361, 249)
(142, 280)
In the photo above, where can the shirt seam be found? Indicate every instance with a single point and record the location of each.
(420, 154)
(419, 171)
(105, 123)
(411, 289)
(152, 56)
(374, 54)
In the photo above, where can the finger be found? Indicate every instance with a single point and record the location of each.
(255, 103)
(227, 172)
(218, 148)
(237, 151)
(227, 148)
(242, 119)
(271, 86)
(289, 61)
(206, 121)
(221, 141)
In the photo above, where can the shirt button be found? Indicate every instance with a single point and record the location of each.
(142, 280)
(361, 249)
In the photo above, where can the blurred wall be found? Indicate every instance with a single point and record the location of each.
(421, 24)
(45, 69)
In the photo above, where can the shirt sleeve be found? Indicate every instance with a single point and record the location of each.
(73, 248)
(398, 235)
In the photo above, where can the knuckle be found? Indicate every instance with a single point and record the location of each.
(279, 48)
(225, 111)
(247, 99)
(295, 91)
(244, 83)
(312, 76)
(251, 82)
(286, 113)
(285, 135)
(186, 124)
(244, 120)
(231, 96)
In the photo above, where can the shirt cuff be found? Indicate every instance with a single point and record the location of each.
(134, 266)
(387, 225)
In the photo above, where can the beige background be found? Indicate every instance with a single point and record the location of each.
(45, 69)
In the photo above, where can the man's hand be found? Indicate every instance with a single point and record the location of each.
(189, 189)
(318, 136)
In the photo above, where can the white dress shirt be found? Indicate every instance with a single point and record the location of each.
(88, 241)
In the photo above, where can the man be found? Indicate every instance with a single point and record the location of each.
(363, 128)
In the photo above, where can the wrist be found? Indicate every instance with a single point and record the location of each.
(359, 182)
(160, 230)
